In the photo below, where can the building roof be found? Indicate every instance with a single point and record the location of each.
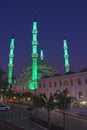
(70, 72)
(83, 70)
(44, 70)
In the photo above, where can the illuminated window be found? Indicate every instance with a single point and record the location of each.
(65, 83)
(79, 81)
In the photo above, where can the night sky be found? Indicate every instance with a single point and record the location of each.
(55, 18)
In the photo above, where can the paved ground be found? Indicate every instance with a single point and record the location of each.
(28, 125)
(18, 117)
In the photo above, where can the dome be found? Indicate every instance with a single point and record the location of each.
(44, 70)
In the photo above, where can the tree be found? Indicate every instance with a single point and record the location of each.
(2, 79)
(40, 101)
(63, 101)
(48, 104)
(2, 73)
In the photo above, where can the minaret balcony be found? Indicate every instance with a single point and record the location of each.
(34, 55)
(35, 43)
(67, 65)
(12, 46)
(11, 55)
(66, 56)
(65, 47)
(10, 65)
(34, 31)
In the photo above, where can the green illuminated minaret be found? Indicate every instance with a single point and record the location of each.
(32, 85)
(66, 56)
(41, 54)
(10, 65)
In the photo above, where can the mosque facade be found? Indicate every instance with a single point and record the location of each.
(47, 78)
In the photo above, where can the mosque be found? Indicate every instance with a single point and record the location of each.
(41, 77)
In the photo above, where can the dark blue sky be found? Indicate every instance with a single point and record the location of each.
(55, 18)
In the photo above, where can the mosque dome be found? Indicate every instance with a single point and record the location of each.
(43, 70)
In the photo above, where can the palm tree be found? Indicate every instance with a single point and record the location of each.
(47, 103)
(63, 102)
(38, 102)
(2, 72)
(2, 79)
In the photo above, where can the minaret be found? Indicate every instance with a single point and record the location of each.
(41, 54)
(66, 56)
(33, 82)
(10, 65)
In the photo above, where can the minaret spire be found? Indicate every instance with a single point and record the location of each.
(41, 54)
(33, 82)
(13, 35)
(10, 65)
(34, 18)
(66, 56)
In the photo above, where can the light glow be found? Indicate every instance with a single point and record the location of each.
(66, 56)
(10, 65)
(32, 84)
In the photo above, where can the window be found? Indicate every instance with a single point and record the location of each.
(39, 85)
(85, 81)
(79, 81)
(21, 87)
(65, 83)
(50, 85)
(80, 94)
(24, 87)
(71, 82)
(55, 84)
(50, 94)
(86, 93)
(44, 85)
(60, 83)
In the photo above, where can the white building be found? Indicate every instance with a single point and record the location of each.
(75, 83)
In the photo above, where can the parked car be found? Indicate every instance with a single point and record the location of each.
(4, 107)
